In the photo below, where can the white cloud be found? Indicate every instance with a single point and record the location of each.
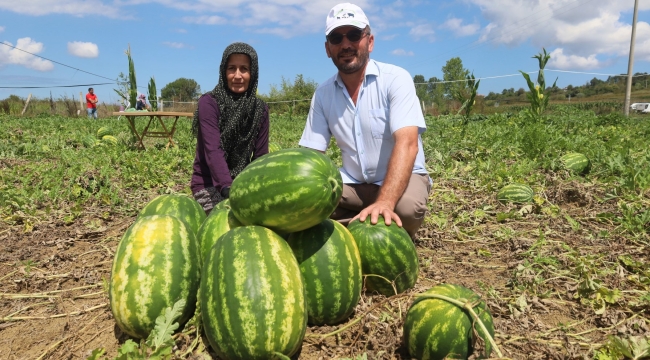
(11, 56)
(69, 7)
(2, 28)
(205, 20)
(423, 31)
(83, 49)
(177, 45)
(181, 31)
(582, 31)
(456, 26)
(561, 61)
(402, 52)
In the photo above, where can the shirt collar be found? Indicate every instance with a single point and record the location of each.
(371, 69)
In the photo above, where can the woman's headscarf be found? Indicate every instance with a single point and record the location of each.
(240, 114)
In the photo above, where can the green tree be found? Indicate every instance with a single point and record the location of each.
(421, 88)
(455, 72)
(181, 89)
(437, 92)
(293, 98)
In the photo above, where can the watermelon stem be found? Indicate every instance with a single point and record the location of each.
(469, 306)
(392, 283)
(353, 322)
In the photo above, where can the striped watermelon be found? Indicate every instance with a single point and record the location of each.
(437, 329)
(110, 140)
(219, 222)
(288, 190)
(156, 264)
(103, 131)
(387, 251)
(181, 206)
(89, 141)
(576, 162)
(252, 296)
(515, 193)
(274, 147)
(331, 268)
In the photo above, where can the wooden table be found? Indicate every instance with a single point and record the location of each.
(169, 134)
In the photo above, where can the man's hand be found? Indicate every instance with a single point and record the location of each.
(383, 208)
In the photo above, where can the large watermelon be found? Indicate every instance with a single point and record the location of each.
(288, 190)
(252, 296)
(387, 251)
(181, 206)
(576, 162)
(437, 329)
(156, 264)
(331, 268)
(219, 222)
(516, 193)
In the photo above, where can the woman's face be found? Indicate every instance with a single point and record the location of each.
(238, 73)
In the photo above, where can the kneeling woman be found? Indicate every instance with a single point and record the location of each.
(231, 125)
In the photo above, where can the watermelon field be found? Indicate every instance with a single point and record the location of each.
(565, 275)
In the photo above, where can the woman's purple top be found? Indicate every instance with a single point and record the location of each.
(210, 167)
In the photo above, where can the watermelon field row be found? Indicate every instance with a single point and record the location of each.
(564, 276)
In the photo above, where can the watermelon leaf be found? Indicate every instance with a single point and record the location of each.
(165, 326)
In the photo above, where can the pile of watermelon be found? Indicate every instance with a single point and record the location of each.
(263, 264)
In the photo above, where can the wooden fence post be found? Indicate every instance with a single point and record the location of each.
(26, 103)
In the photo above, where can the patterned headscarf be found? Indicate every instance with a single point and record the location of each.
(240, 113)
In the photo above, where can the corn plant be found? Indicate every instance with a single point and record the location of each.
(153, 98)
(467, 100)
(536, 96)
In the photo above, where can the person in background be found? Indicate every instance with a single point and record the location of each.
(373, 113)
(231, 125)
(91, 103)
(141, 104)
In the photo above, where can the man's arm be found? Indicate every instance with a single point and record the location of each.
(400, 167)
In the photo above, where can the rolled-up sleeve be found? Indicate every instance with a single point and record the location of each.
(316, 134)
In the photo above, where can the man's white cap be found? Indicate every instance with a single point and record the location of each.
(345, 14)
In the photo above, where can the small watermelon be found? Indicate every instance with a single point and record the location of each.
(437, 329)
(103, 131)
(515, 193)
(89, 141)
(385, 251)
(110, 140)
(222, 205)
(181, 206)
(331, 268)
(576, 163)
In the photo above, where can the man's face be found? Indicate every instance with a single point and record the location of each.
(91, 91)
(348, 56)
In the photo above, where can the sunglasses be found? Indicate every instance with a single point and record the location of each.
(353, 35)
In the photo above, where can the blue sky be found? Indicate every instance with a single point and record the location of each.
(170, 39)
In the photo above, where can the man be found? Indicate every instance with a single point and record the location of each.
(91, 103)
(371, 110)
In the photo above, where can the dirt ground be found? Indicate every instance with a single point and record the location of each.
(54, 303)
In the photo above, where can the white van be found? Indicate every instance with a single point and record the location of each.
(640, 107)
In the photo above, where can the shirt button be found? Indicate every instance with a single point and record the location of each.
(358, 134)
(361, 152)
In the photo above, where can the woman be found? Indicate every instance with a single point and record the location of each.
(141, 104)
(231, 125)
